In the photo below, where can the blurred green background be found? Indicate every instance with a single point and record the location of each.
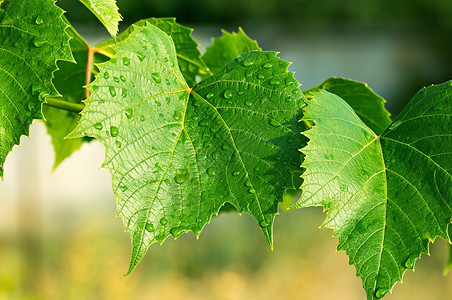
(59, 238)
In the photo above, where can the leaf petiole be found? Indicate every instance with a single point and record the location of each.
(64, 105)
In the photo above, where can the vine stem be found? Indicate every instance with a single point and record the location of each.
(64, 105)
(89, 68)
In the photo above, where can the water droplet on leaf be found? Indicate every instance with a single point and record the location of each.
(39, 20)
(112, 91)
(177, 116)
(236, 173)
(114, 131)
(248, 102)
(118, 144)
(267, 66)
(275, 82)
(211, 171)
(251, 191)
(228, 94)
(263, 224)
(156, 77)
(98, 126)
(380, 293)
(106, 75)
(95, 88)
(123, 79)
(126, 61)
(149, 227)
(129, 113)
(38, 42)
(124, 93)
(210, 95)
(141, 56)
(248, 63)
(163, 221)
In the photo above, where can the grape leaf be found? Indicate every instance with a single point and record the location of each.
(33, 38)
(69, 81)
(176, 154)
(188, 55)
(387, 196)
(367, 105)
(223, 50)
(107, 13)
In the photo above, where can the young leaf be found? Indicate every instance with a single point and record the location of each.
(69, 80)
(176, 155)
(188, 55)
(33, 38)
(387, 196)
(366, 104)
(107, 13)
(223, 50)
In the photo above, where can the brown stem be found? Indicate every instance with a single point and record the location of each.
(89, 67)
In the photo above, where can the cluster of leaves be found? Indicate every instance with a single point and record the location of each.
(186, 133)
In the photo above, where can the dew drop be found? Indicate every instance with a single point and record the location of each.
(38, 42)
(199, 220)
(267, 66)
(156, 77)
(123, 79)
(256, 169)
(116, 79)
(261, 76)
(114, 131)
(95, 88)
(39, 20)
(273, 123)
(235, 173)
(179, 179)
(228, 94)
(248, 103)
(158, 103)
(129, 113)
(177, 116)
(203, 123)
(163, 221)
(166, 59)
(210, 95)
(380, 293)
(263, 224)
(275, 81)
(225, 147)
(118, 144)
(141, 56)
(106, 75)
(211, 171)
(409, 263)
(167, 81)
(142, 118)
(98, 126)
(112, 91)
(248, 183)
(240, 93)
(126, 61)
(149, 227)
(124, 93)
(248, 63)
(251, 191)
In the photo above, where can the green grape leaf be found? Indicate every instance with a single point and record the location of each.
(188, 55)
(107, 13)
(387, 196)
(366, 104)
(176, 154)
(33, 38)
(69, 81)
(223, 50)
